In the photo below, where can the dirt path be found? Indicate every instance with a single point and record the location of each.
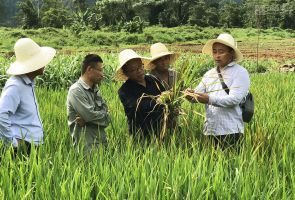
(279, 50)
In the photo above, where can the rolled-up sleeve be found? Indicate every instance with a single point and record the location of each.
(238, 90)
(87, 110)
(9, 102)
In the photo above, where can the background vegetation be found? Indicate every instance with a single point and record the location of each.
(107, 40)
(132, 15)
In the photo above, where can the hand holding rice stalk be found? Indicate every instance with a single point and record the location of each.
(165, 97)
(189, 73)
(171, 100)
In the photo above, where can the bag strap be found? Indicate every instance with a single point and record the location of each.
(224, 86)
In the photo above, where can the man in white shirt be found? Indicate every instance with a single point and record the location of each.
(20, 122)
(222, 89)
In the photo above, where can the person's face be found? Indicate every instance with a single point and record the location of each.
(134, 70)
(162, 63)
(96, 73)
(222, 54)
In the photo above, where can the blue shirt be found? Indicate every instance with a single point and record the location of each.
(19, 115)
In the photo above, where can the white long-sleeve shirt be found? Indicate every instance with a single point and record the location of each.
(223, 113)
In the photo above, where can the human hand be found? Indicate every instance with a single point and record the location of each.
(79, 120)
(203, 98)
(165, 97)
(176, 111)
(190, 95)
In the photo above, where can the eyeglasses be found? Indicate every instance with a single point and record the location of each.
(134, 68)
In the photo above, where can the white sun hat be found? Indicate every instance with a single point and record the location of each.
(227, 40)
(29, 57)
(159, 50)
(124, 57)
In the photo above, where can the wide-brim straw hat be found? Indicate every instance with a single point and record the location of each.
(29, 57)
(125, 56)
(227, 40)
(157, 51)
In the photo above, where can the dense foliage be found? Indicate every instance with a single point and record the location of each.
(94, 14)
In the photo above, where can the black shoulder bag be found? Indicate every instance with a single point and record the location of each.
(247, 105)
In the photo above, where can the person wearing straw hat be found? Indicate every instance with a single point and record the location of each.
(86, 109)
(159, 66)
(160, 63)
(224, 122)
(20, 122)
(137, 95)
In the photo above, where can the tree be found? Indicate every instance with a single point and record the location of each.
(288, 15)
(149, 10)
(113, 12)
(29, 13)
(198, 14)
(2, 11)
(55, 14)
(231, 15)
(80, 5)
(55, 17)
(175, 13)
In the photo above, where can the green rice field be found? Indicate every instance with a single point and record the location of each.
(182, 167)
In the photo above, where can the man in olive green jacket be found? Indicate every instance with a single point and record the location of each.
(86, 109)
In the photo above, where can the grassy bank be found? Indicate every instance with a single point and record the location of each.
(107, 39)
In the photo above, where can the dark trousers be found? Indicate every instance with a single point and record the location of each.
(225, 141)
(24, 148)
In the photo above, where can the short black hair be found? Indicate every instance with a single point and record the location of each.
(90, 60)
(124, 69)
(230, 49)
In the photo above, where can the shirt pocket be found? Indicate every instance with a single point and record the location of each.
(100, 103)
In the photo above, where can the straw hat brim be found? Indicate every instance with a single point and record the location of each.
(150, 65)
(120, 76)
(207, 49)
(36, 62)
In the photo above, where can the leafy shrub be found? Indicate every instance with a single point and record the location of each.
(134, 26)
(55, 17)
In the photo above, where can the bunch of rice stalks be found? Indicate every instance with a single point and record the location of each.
(188, 75)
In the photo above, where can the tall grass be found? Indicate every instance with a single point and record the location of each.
(182, 168)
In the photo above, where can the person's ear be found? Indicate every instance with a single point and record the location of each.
(88, 68)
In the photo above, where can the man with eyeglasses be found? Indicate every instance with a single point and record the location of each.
(137, 95)
(86, 109)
